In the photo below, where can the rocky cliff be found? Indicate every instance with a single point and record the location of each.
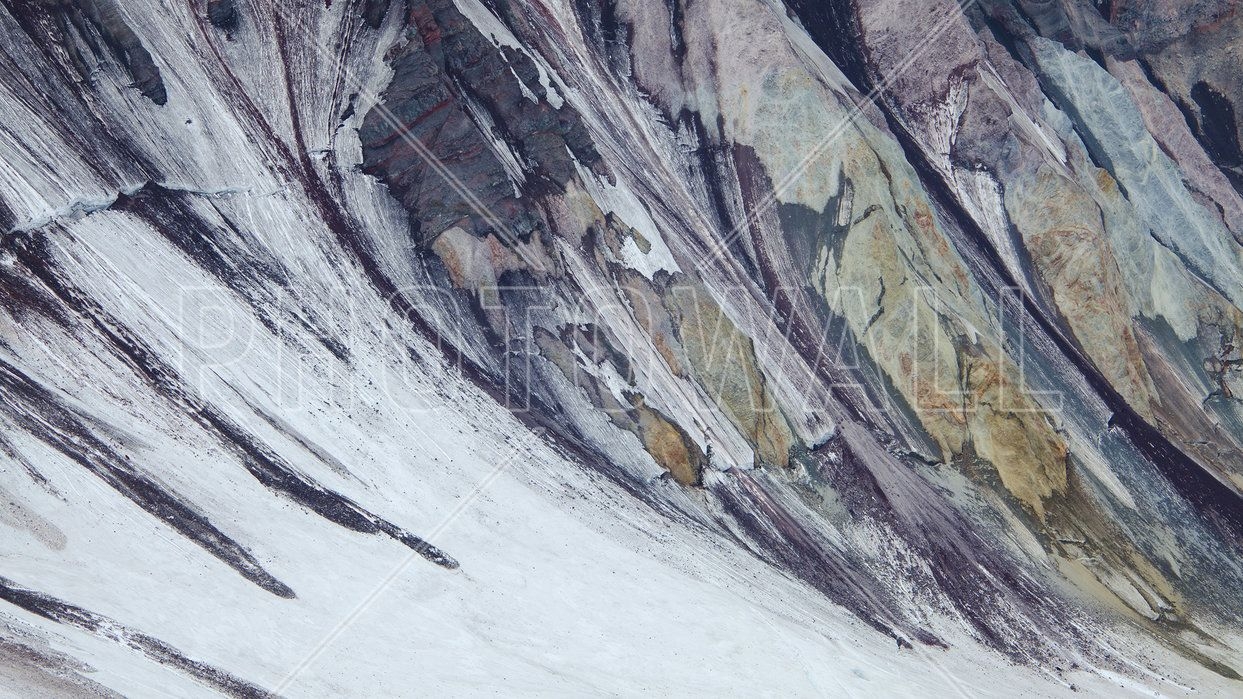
(389, 346)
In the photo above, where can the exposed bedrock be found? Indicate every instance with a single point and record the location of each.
(91, 32)
(987, 244)
(478, 106)
(933, 313)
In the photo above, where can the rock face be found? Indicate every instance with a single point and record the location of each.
(721, 332)
(466, 111)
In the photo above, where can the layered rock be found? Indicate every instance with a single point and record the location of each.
(933, 313)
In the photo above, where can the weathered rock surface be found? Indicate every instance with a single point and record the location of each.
(924, 315)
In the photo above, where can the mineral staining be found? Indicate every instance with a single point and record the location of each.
(817, 344)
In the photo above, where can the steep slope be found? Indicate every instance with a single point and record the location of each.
(731, 346)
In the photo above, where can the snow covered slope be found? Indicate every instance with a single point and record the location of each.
(399, 347)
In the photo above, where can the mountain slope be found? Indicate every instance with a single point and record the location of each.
(732, 346)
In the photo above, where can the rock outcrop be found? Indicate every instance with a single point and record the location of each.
(927, 313)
